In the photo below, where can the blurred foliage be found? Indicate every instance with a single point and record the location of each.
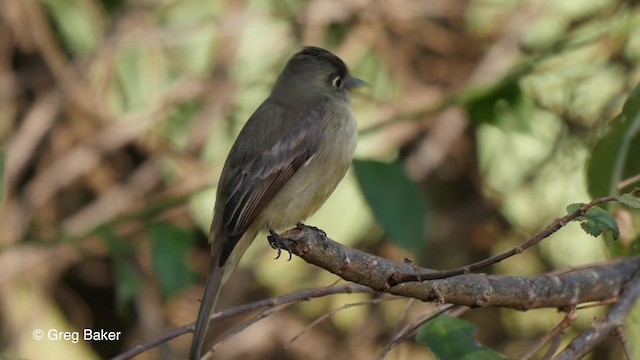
(630, 200)
(116, 117)
(77, 23)
(389, 193)
(127, 279)
(505, 107)
(2, 159)
(616, 155)
(451, 338)
(614, 158)
(169, 249)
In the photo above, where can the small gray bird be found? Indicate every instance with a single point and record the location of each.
(287, 160)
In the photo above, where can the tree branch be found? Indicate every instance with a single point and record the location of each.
(559, 289)
(605, 326)
(565, 289)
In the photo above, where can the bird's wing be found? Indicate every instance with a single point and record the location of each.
(258, 179)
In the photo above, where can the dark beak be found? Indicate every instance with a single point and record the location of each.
(352, 82)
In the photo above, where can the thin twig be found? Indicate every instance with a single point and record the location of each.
(237, 310)
(619, 333)
(410, 329)
(335, 311)
(553, 347)
(626, 182)
(238, 329)
(399, 278)
(555, 333)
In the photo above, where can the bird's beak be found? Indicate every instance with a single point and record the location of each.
(353, 82)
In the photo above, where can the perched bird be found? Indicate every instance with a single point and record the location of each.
(287, 160)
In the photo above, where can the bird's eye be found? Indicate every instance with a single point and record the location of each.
(337, 81)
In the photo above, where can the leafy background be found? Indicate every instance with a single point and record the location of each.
(476, 131)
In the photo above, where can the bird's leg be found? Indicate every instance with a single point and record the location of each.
(277, 242)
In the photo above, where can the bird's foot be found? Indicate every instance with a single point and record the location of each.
(302, 226)
(278, 242)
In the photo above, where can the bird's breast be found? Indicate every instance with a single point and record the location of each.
(312, 184)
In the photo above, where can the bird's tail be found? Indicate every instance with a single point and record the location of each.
(218, 275)
(209, 298)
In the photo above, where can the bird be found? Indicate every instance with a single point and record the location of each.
(286, 161)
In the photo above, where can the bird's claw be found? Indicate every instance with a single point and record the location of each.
(277, 242)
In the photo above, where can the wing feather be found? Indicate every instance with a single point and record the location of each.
(258, 179)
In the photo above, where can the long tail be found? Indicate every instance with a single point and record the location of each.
(209, 298)
(218, 275)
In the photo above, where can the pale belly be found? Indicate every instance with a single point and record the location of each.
(308, 189)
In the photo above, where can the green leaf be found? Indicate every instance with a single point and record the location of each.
(396, 202)
(596, 221)
(452, 339)
(617, 154)
(178, 123)
(127, 278)
(141, 77)
(169, 249)
(629, 200)
(573, 208)
(115, 243)
(77, 24)
(503, 106)
(128, 282)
